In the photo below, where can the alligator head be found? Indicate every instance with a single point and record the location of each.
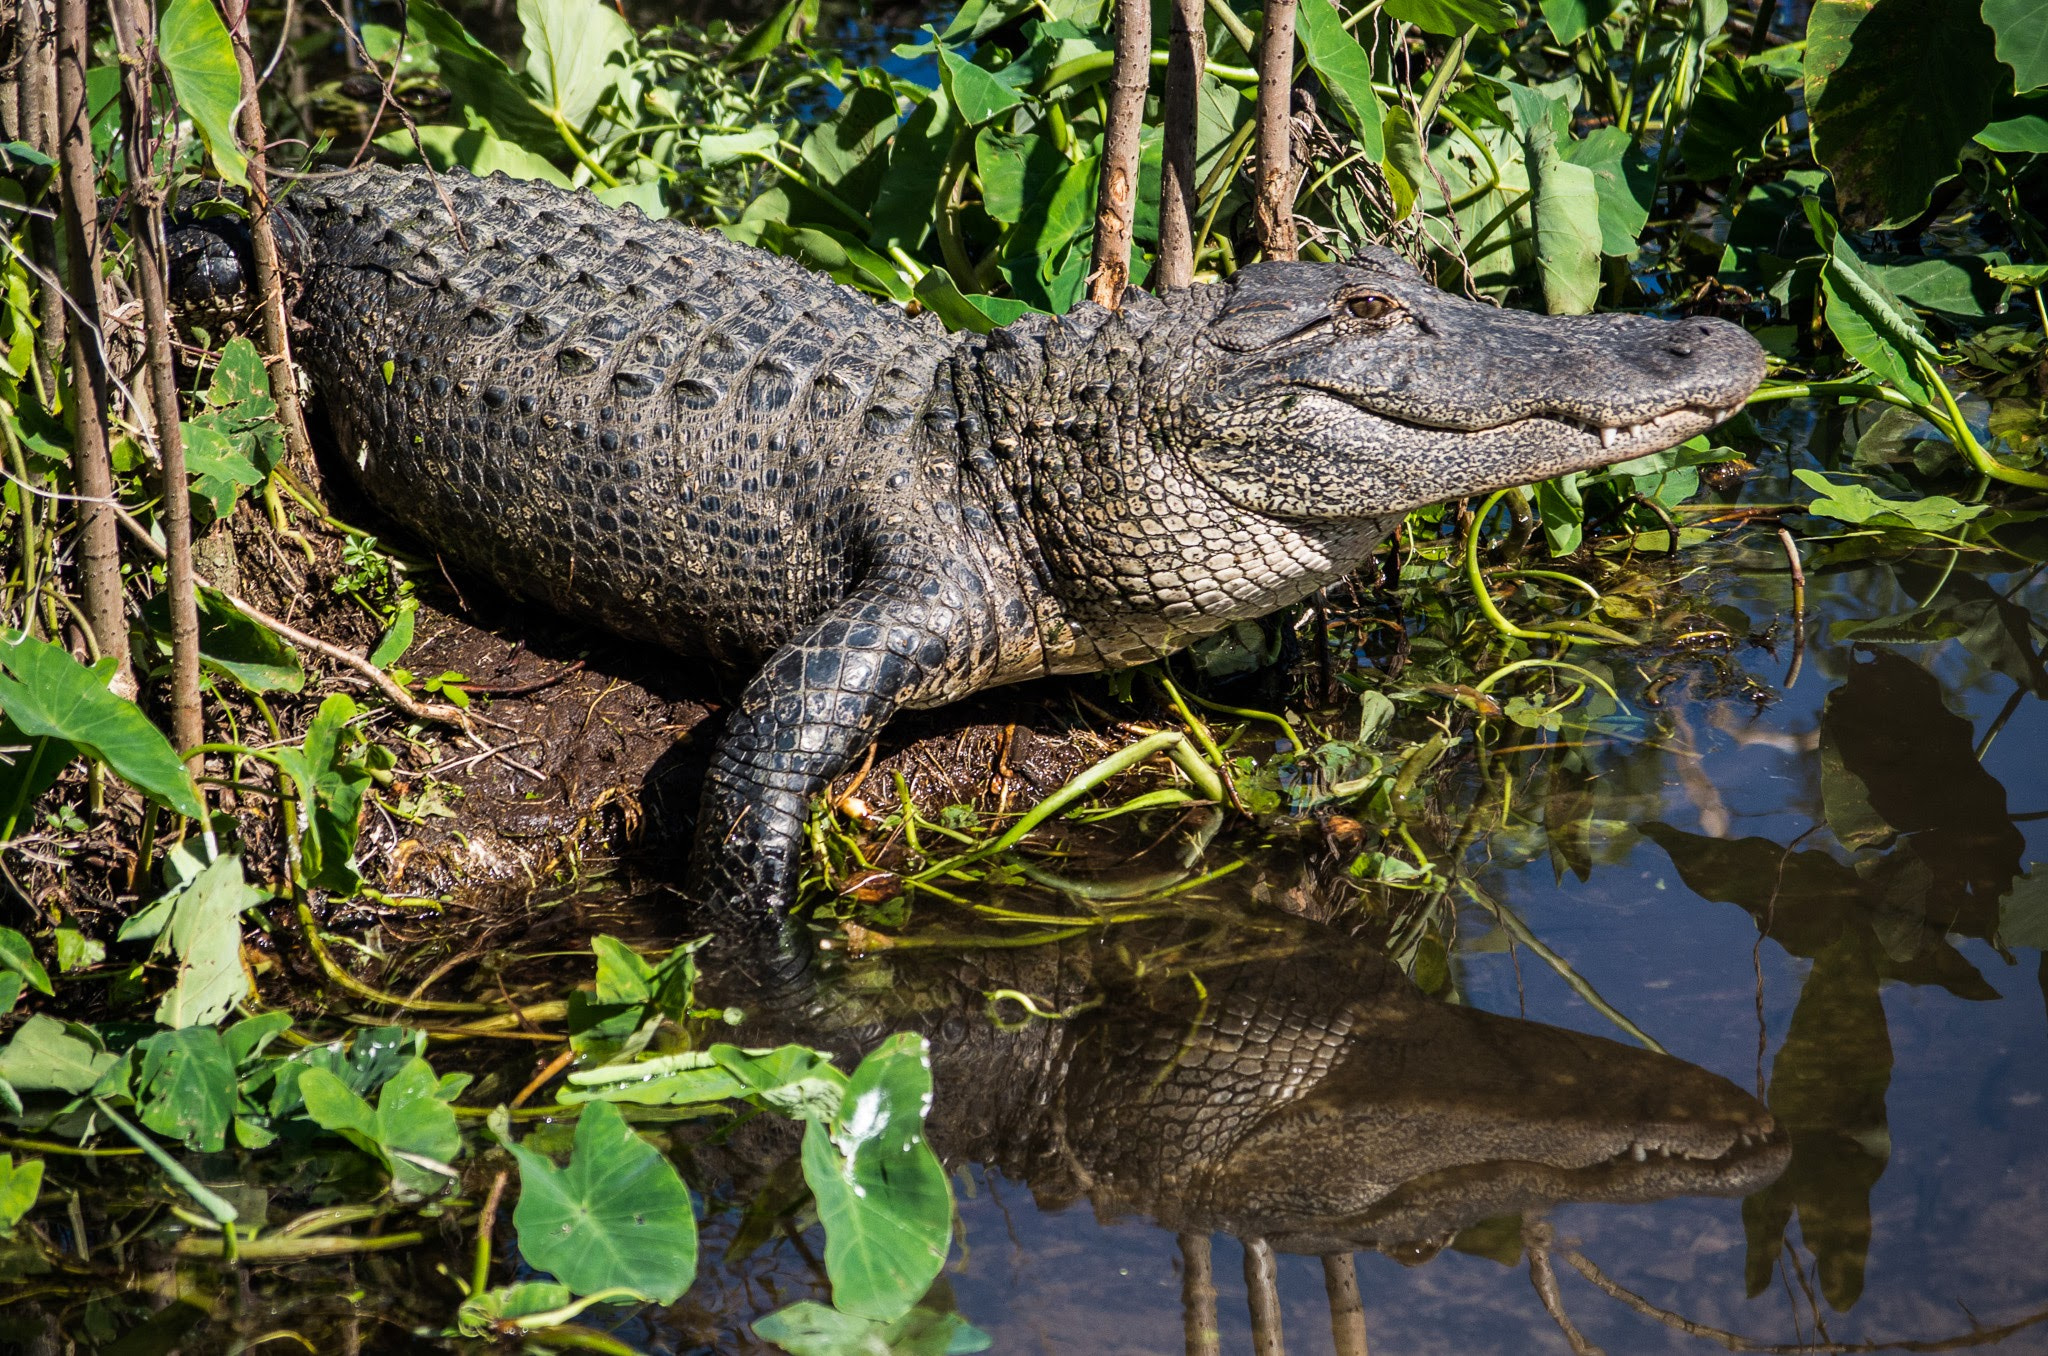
(1329, 391)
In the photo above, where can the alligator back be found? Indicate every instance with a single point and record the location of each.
(632, 421)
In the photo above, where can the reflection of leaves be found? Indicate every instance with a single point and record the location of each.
(1807, 901)
(1991, 628)
(1567, 819)
(1827, 1089)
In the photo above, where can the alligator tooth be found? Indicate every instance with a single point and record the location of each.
(1637, 1152)
(1608, 435)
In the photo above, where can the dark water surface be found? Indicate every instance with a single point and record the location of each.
(1893, 1011)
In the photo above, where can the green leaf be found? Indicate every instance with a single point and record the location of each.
(1894, 91)
(2019, 275)
(10, 991)
(1872, 325)
(473, 149)
(233, 644)
(796, 1080)
(569, 49)
(2027, 135)
(185, 1086)
(397, 637)
(1455, 16)
(1955, 285)
(1014, 168)
(76, 951)
(885, 1202)
(1735, 109)
(961, 311)
(1625, 180)
(1039, 253)
(17, 957)
(808, 1328)
(412, 1130)
(483, 86)
(906, 203)
(204, 931)
(1862, 505)
(220, 468)
(787, 24)
(840, 255)
(1346, 70)
(2023, 911)
(725, 148)
(1565, 203)
(1569, 19)
(976, 93)
(198, 55)
(618, 1215)
(19, 1187)
(49, 693)
(330, 786)
(2022, 29)
(849, 152)
(45, 1056)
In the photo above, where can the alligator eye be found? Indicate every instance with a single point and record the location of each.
(1372, 306)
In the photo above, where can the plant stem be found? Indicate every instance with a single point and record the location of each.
(135, 33)
(99, 557)
(1274, 182)
(1187, 57)
(1116, 188)
(277, 353)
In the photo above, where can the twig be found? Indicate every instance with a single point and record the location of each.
(135, 34)
(540, 1080)
(1117, 191)
(1536, 1238)
(277, 352)
(524, 689)
(1273, 190)
(486, 1223)
(99, 533)
(1976, 1337)
(1798, 604)
(1187, 53)
(383, 682)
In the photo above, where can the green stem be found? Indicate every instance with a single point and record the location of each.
(221, 1211)
(1966, 441)
(1172, 743)
(1512, 924)
(575, 145)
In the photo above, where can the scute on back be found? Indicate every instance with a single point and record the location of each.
(613, 415)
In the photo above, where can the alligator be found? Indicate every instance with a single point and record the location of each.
(704, 446)
(1303, 1092)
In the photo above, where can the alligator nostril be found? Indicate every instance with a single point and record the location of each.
(1679, 350)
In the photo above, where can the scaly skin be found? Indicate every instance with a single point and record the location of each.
(705, 446)
(1306, 1094)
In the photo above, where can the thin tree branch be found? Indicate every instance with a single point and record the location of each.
(99, 557)
(1274, 180)
(1187, 55)
(277, 352)
(1117, 192)
(135, 35)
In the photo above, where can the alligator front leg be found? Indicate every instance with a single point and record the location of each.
(912, 637)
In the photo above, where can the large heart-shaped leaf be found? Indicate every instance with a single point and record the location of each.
(618, 1215)
(884, 1199)
(195, 50)
(46, 692)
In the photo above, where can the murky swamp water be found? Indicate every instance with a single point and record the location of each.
(1878, 816)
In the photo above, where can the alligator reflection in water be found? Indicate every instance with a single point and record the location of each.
(1285, 1086)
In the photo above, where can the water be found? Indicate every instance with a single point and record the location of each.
(1897, 1043)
